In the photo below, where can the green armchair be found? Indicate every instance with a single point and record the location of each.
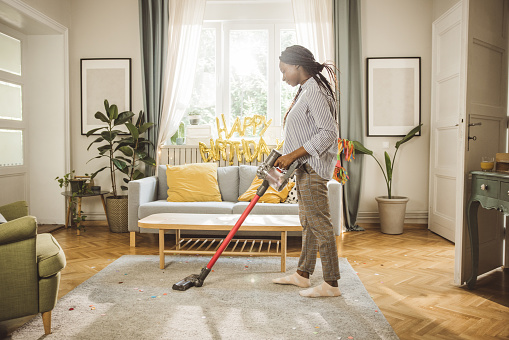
(30, 266)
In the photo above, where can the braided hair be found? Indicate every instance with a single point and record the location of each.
(299, 55)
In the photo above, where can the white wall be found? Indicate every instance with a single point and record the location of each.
(390, 28)
(442, 6)
(100, 29)
(46, 125)
(58, 10)
(399, 28)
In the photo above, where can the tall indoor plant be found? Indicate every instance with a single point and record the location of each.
(391, 208)
(123, 154)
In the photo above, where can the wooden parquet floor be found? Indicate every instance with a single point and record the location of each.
(409, 276)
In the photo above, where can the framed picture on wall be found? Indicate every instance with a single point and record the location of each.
(104, 78)
(393, 95)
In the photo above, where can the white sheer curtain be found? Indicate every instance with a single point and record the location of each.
(313, 20)
(184, 28)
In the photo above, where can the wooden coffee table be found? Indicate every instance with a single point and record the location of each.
(208, 246)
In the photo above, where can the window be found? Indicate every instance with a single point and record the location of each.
(237, 72)
(12, 122)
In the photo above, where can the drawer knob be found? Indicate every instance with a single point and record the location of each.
(485, 187)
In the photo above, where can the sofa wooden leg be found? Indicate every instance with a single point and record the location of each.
(46, 321)
(133, 239)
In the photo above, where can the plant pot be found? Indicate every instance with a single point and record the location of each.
(392, 214)
(180, 141)
(194, 120)
(78, 185)
(116, 213)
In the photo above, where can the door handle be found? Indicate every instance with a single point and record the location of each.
(474, 138)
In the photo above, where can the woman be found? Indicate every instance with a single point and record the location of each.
(311, 134)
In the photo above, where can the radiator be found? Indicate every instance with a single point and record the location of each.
(187, 154)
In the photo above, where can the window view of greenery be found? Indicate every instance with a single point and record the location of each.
(247, 78)
(203, 97)
(287, 38)
(248, 73)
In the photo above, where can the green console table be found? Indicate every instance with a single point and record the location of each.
(491, 191)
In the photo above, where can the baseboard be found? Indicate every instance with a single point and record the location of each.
(411, 217)
(95, 216)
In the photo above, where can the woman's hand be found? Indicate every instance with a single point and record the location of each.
(284, 162)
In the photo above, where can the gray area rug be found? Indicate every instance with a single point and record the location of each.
(132, 299)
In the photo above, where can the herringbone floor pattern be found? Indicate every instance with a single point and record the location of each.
(409, 276)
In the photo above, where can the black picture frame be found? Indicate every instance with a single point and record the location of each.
(100, 79)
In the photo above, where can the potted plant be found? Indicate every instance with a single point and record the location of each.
(180, 134)
(390, 208)
(123, 156)
(80, 188)
(194, 117)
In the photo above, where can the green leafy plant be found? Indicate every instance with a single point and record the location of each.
(389, 166)
(109, 139)
(64, 182)
(124, 154)
(134, 149)
(179, 133)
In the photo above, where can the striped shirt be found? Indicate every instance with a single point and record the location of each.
(310, 124)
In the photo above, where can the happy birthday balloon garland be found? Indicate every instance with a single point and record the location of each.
(250, 149)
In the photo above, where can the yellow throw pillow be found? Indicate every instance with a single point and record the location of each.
(193, 183)
(270, 196)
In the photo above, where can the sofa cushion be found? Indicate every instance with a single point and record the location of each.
(50, 256)
(162, 206)
(246, 175)
(195, 182)
(162, 184)
(228, 179)
(270, 196)
(267, 209)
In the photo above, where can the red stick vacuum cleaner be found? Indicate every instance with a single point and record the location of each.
(271, 177)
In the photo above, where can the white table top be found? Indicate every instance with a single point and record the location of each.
(220, 221)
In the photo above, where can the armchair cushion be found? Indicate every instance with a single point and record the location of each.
(2, 219)
(50, 257)
(18, 230)
(14, 210)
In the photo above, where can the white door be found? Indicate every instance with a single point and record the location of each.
(469, 98)
(447, 124)
(486, 108)
(14, 179)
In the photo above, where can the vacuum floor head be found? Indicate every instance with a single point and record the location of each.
(188, 282)
(194, 280)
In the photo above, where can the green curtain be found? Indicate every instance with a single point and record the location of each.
(347, 35)
(154, 46)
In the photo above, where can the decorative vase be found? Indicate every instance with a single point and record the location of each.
(116, 213)
(392, 214)
(78, 185)
(194, 119)
(180, 141)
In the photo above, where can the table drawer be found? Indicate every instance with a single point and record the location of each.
(504, 191)
(485, 187)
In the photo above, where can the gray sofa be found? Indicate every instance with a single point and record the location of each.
(147, 196)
